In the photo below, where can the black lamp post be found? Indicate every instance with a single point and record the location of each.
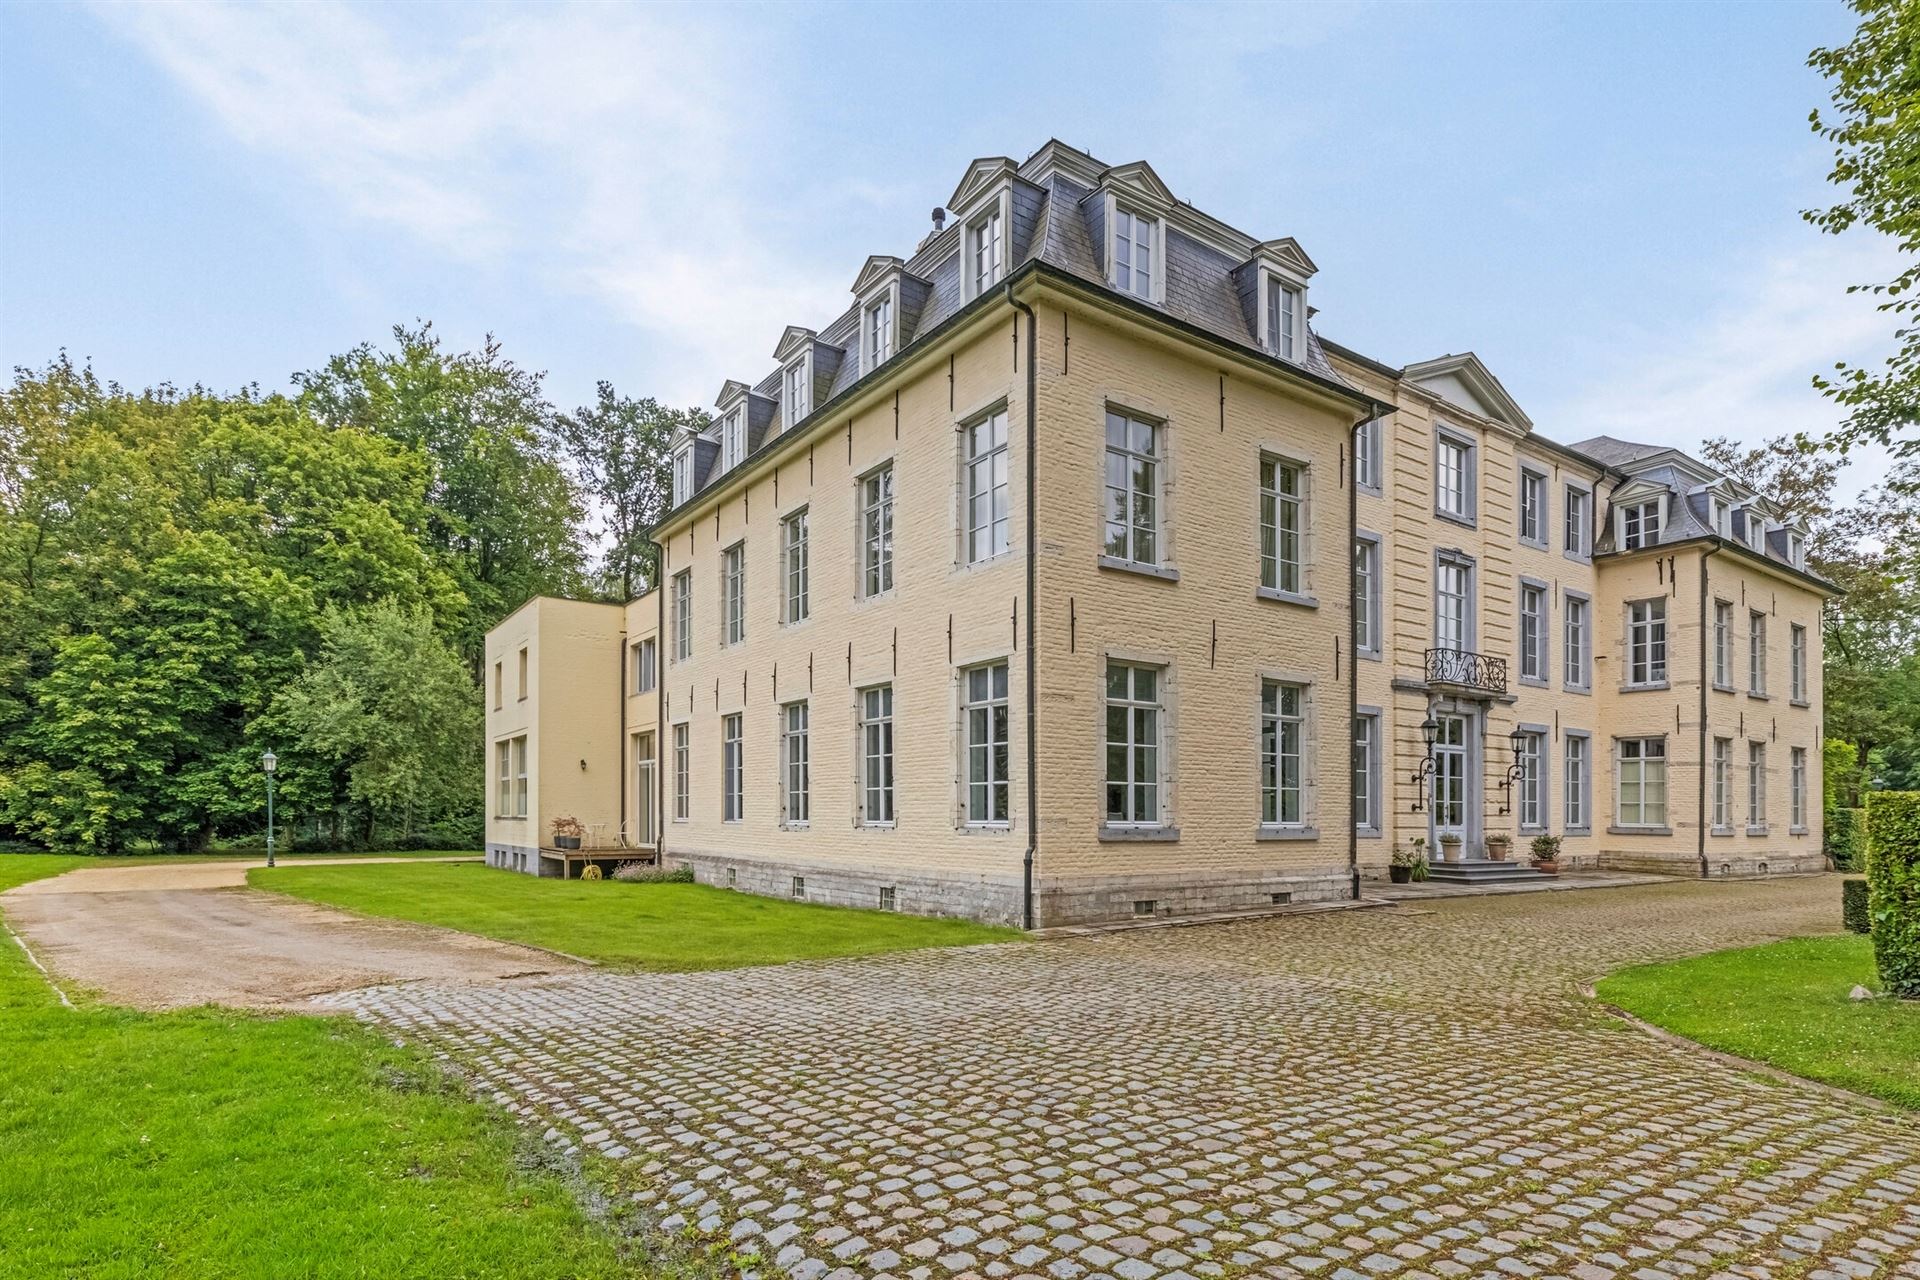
(1516, 740)
(1430, 730)
(268, 763)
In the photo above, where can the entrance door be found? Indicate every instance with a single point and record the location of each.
(643, 789)
(1450, 760)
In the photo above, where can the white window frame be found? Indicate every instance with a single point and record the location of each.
(1636, 757)
(1756, 785)
(798, 384)
(796, 603)
(987, 516)
(1640, 523)
(733, 595)
(503, 778)
(1142, 783)
(1577, 522)
(683, 615)
(876, 746)
(733, 438)
(1367, 772)
(1720, 804)
(986, 260)
(1130, 496)
(1283, 754)
(522, 789)
(1123, 239)
(1647, 643)
(1368, 440)
(796, 764)
(1576, 640)
(1533, 508)
(1535, 629)
(646, 665)
(878, 319)
(1367, 559)
(682, 473)
(682, 771)
(876, 531)
(1796, 549)
(1577, 781)
(1757, 652)
(1532, 796)
(1284, 514)
(1797, 788)
(986, 746)
(1457, 501)
(1723, 645)
(1286, 304)
(733, 767)
(1444, 563)
(1797, 662)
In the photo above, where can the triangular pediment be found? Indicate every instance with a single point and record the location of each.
(878, 267)
(1639, 490)
(1464, 381)
(792, 341)
(982, 176)
(1286, 252)
(1139, 178)
(730, 391)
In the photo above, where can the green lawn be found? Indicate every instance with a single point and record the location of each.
(1786, 1004)
(69, 861)
(658, 927)
(208, 1144)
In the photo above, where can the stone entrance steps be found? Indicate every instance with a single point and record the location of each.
(1483, 871)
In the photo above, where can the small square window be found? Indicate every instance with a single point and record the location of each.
(799, 886)
(1282, 898)
(1145, 906)
(888, 900)
(733, 878)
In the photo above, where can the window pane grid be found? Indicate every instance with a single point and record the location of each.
(986, 720)
(732, 769)
(1133, 744)
(1282, 734)
(1643, 782)
(876, 738)
(1282, 526)
(876, 523)
(1133, 489)
(989, 521)
(682, 772)
(794, 553)
(733, 594)
(1647, 642)
(795, 751)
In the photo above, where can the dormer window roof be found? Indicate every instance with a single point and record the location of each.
(1130, 207)
(886, 293)
(731, 408)
(983, 206)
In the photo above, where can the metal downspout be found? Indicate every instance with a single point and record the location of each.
(1353, 654)
(1033, 714)
(1701, 817)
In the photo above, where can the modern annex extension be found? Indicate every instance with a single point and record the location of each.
(1069, 574)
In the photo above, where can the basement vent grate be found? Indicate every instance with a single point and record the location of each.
(1145, 906)
(1282, 898)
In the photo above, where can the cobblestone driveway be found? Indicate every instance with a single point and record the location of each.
(1402, 1092)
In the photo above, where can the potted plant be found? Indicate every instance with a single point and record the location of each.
(1409, 863)
(567, 831)
(1499, 845)
(1546, 854)
(1453, 847)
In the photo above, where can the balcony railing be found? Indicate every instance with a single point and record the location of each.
(1465, 668)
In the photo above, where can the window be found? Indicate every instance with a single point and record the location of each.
(523, 675)
(1133, 744)
(1797, 662)
(1642, 800)
(682, 772)
(1533, 632)
(1533, 507)
(1756, 652)
(1366, 595)
(880, 332)
(1532, 783)
(985, 723)
(1577, 522)
(644, 666)
(1797, 786)
(793, 559)
(733, 440)
(1366, 454)
(1723, 644)
(1722, 518)
(798, 889)
(732, 768)
(876, 756)
(1283, 502)
(876, 532)
(682, 475)
(799, 397)
(1452, 604)
(1133, 253)
(1756, 784)
(499, 685)
(1366, 771)
(988, 517)
(503, 778)
(796, 784)
(1453, 477)
(1640, 525)
(1578, 642)
(1796, 549)
(987, 255)
(1647, 642)
(1578, 777)
(683, 615)
(1285, 310)
(1282, 747)
(733, 594)
(1133, 489)
(1723, 782)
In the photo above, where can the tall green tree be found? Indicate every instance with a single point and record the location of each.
(621, 450)
(504, 516)
(1874, 127)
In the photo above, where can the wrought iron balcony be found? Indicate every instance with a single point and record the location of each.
(1466, 669)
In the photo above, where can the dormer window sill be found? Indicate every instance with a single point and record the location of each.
(1164, 572)
(1285, 597)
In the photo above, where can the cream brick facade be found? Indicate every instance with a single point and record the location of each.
(1215, 363)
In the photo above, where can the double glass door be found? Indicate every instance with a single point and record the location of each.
(1451, 759)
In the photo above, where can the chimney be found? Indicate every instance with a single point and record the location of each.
(939, 222)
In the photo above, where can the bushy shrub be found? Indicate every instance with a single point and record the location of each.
(1853, 905)
(1893, 878)
(648, 873)
(1845, 838)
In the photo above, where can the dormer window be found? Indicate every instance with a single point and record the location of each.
(1796, 549)
(682, 474)
(1640, 525)
(733, 440)
(1286, 314)
(1722, 518)
(879, 329)
(1133, 238)
(797, 401)
(1756, 530)
(986, 252)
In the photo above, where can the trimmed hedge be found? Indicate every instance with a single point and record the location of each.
(1846, 838)
(1853, 905)
(1893, 877)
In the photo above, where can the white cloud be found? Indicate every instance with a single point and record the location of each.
(1744, 369)
(604, 151)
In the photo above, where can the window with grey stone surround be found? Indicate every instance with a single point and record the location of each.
(1577, 641)
(1367, 770)
(1533, 506)
(1455, 484)
(1577, 781)
(1366, 595)
(1534, 626)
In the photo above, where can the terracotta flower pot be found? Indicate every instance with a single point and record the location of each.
(1453, 851)
(1550, 868)
(1499, 847)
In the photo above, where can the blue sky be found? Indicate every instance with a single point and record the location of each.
(1602, 200)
